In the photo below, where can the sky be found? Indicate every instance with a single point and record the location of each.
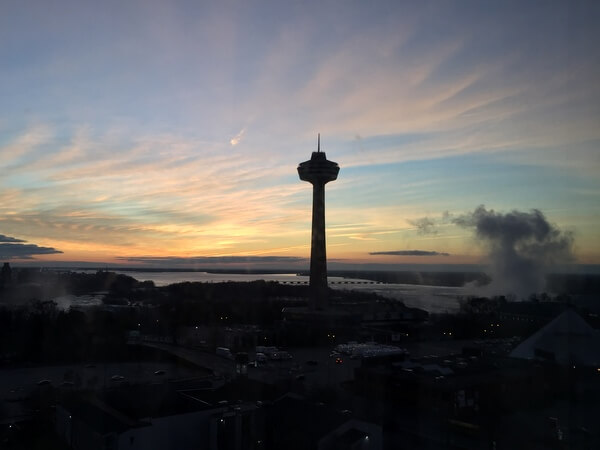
(169, 132)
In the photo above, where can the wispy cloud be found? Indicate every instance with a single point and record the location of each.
(410, 253)
(424, 225)
(22, 145)
(237, 138)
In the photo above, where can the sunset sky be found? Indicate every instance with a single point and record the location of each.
(134, 132)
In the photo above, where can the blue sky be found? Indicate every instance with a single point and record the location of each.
(153, 128)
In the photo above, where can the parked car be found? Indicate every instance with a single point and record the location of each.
(224, 352)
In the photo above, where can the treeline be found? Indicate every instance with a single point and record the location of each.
(257, 302)
(503, 317)
(36, 330)
(574, 284)
(205, 292)
(39, 332)
(30, 284)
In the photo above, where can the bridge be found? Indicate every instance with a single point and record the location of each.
(333, 282)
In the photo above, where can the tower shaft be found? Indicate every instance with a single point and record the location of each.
(318, 252)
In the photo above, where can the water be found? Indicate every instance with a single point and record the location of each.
(166, 278)
(434, 299)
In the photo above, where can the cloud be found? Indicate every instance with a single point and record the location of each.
(410, 253)
(167, 186)
(13, 248)
(424, 225)
(522, 247)
(25, 143)
(430, 225)
(358, 237)
(212, 260)
(4, 239)
(237, 138)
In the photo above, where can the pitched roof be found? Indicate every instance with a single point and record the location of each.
(566, 340)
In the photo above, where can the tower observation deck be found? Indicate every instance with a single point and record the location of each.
(318, 171)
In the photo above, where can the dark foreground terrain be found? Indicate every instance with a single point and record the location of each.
(200, 365)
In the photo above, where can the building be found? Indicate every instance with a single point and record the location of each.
(296, 423)
(162, 417)
(318, 171)
(568, 340)
(325, 317)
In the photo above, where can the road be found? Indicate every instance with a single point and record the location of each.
(218, 364)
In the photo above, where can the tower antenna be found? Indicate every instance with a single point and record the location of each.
(319, 143)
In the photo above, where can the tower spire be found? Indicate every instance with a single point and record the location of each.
(319, 143)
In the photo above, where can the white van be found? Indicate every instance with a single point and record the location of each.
(224, 352)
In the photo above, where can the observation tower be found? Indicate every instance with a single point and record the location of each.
(318, 171)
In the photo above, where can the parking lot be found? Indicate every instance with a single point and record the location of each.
(312, 366)
(16, 385)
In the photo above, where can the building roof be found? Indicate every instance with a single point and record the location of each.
(155, 400)
(300, 424)
(124, 408)
(351, 437)
(100, 418)
(240, 390)
(566, 340)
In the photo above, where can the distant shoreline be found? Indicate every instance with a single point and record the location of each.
(573, 282)
(338, 269)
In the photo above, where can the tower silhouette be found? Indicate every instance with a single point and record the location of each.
(318, 171)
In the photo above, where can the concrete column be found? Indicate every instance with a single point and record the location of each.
(318, 255)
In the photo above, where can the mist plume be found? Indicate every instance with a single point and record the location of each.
(522, 247)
